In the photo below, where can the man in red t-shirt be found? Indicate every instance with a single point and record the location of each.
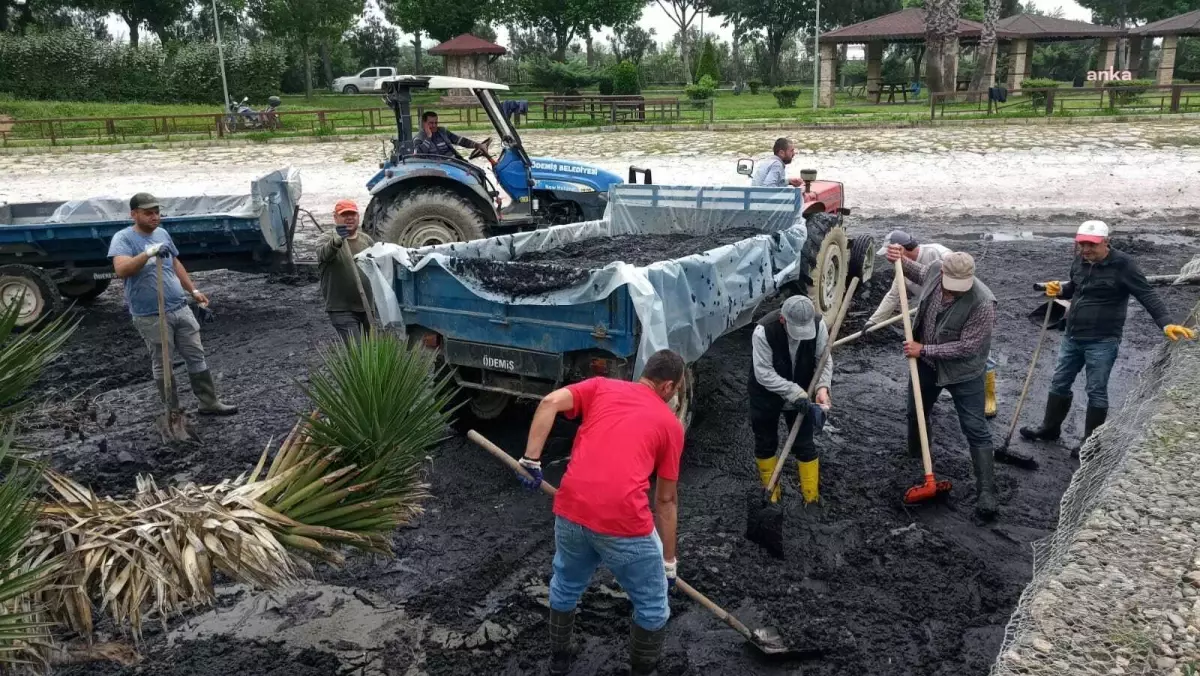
(602, 510)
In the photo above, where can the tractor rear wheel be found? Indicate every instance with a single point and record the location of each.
(32, 289)
(83, 290)
(824, 263)
(425, 218)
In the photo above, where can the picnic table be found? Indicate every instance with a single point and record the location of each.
(614, 108)
(891, 89)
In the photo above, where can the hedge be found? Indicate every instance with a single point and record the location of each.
(786, 96)
(71, 65)
(1124, 92)
(626, 81)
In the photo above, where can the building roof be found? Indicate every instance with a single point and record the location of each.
(1034, 27)
(466, 44)
(903, 26)
(1184, 24)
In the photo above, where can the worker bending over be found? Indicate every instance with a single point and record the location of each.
(952, 335)
(1102, 279)
(786, 346)
(924, 254)
(602, 514)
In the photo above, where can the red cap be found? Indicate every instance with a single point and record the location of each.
(343, 206)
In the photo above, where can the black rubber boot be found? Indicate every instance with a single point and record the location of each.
(1094, 418)
(206, 391)
(172, 397)
(1056, 412)
(644, 647)
(985, 483)
(562, 647)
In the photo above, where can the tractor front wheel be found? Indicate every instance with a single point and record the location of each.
(425, 218)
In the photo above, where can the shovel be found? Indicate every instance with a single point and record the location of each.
(1037, 351)
(766, 639)
(931, 488)
(362, 294)
(764, 522)
(173, 423)
(871, 329)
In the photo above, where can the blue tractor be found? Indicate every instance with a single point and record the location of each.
(420, 199)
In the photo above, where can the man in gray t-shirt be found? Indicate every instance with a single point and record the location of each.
(133, 252)
(772, 172)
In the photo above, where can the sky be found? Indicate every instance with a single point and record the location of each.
(656, 18)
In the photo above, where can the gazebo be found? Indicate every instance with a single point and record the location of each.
(469, 57)
(1024, 30)
(907, 25)
(1170, 30)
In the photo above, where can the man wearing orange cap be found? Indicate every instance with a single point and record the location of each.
(1102, 280)
(338, 287)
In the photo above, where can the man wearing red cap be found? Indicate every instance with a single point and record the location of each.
(1102, 280)
(338, 287)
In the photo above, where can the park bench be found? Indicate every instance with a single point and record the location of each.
(613, 108)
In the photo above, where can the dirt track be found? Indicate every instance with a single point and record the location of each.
(884, 588)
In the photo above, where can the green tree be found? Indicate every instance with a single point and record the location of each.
(374, 43)
(707, 64)
(682, 13)
(307, 23)
(970, 9)
(568, 19)
(776, 21)
(437, 19)
(159, 15)
(630, 43)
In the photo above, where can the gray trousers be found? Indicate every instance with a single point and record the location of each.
(348, 324)
(183, 337)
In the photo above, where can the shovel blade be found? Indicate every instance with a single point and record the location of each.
(768, 641)
(1058, 313)
(174, 426)
(764, 525)
(926, 491)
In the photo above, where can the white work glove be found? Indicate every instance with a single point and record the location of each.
(670, 568)
(797, 394)
(156, 249)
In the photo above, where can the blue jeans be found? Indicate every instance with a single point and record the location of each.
(1097, 355)
(636, 562)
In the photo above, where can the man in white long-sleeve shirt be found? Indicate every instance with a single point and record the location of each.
(786, 346)
(923, 254)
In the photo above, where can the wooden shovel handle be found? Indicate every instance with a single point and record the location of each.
(507, 459)
(912, 369)
(162, 334)
(1037, 351)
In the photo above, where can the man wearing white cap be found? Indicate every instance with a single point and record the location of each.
(786, 346)
(1102, 280)
(953, 333)
(924, 254)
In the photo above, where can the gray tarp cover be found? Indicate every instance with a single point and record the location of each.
(683, 304)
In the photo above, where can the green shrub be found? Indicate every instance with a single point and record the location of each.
(561, 78)
(786, 96)
(605, 84)
(626, 79)
(707, 65)
(702, 91)
(1038, 99)
(1124, 92)
(854, 72)
(755, 85)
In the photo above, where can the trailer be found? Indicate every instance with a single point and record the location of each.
(563, 325)
(55, 250)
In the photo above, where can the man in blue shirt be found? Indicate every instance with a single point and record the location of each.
(133, 251)
(772, 172)
(434, 140)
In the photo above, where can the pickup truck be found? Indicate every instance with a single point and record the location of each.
(607, 321)
(365, 81)
(55, 250)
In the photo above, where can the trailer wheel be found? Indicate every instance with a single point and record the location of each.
(478, 408)
(862, 258)
(84, 290)
(426, 217)
(32, 288)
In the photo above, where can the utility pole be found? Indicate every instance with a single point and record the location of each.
(816, 54)
(220, 54)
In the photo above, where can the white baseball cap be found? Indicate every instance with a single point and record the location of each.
(1092, 231)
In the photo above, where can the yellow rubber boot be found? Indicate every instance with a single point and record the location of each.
(765, 469)
(810, 480)
(989, 394)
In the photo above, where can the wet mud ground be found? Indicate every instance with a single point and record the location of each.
(883, 588)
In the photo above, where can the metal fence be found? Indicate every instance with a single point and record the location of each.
(101, 130)
(1155, 99)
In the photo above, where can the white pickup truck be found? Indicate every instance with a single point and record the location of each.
(366, 81)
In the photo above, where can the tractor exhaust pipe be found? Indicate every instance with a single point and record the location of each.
(633, 174)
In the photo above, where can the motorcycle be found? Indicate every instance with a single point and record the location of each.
(242, 116)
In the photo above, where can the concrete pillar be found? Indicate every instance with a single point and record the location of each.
(1135, 56)
(828, 68)
(1166, 67)
(1018, 63)
(874, 67)
(1108, 55)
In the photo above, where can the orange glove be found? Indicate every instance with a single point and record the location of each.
(1175, 332)
(1053, 289)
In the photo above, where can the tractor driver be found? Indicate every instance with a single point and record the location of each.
(434, 140)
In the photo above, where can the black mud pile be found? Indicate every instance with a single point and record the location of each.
(884, 588)
(541, 272)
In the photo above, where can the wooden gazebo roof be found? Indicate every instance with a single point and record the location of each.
(467, 44)
(1184, 24)
(907, 25)
(1048, 28)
